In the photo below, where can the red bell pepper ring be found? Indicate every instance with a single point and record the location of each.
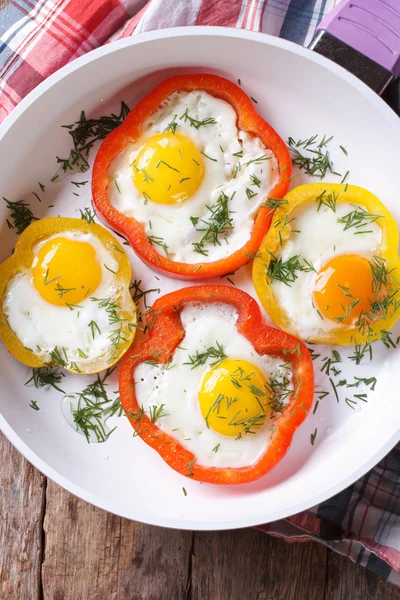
(131, 130)
(166, 333)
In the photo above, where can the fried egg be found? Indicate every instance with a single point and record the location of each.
(338, 257)
(191, 170)
(327, 267)
(70, 305)
(217, 396)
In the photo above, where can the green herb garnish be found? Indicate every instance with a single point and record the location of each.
(216, 353)
(85, 133)
(21, 215)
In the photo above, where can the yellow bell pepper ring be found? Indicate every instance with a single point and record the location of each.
(342, 293)
(59, 261)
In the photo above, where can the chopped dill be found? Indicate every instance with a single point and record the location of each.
(158, 241)
(172, 125)
(20, 214)
(311, 155)
(138, 293)
(328, 200)
(213, 352)
(358, 218)
(209, 157)
(189, 467)
(313, 436)
(87, 214)
(157, 412)
(195, 122)
(219, 222)
(274, 203)
(85, 133)
(93, 409)
(285, 271)
(46, 377)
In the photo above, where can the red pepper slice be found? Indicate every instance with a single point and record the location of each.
(131, 130)
(166, 333)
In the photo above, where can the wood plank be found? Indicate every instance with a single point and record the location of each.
(22, 495)
(348, 581)
(246, 563)
(94, 555)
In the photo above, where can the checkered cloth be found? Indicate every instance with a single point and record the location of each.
(38, 37)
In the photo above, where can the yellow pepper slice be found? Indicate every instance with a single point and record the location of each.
(21, 261)
(341, 331)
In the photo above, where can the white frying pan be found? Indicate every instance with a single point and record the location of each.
(300, 93)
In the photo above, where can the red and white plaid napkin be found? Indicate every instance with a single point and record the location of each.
(39, 37)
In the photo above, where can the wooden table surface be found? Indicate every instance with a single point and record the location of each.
(56, 547)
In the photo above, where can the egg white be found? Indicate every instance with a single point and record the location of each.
(177, 387)
(41, 326)
(172, 222)
(319, 238)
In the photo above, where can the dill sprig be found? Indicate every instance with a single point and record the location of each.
(239, 377)
(248, 425)
(313, 437)
(87, 214)
(93, 408)
(189, 467)
(21, 215)
(279, 389)
(386, 302)
(157, 412)
(358, 218)
(199, 249)
(216, 405)
(172, 125)
(138, 293)
(250, 193)
(195, 122)
(282, 223)
(328, 200)
(255, 181)
(158, 241)
(118, 335)
(312, 156)
(85, 133)
(274, 203)
(368, 381)
(93, 328)
(328, 362)
(386, 339)
(380, 273)
(59, 357)
(258, 160)
(284, 271)
(360, 351)
(219, 223)
(352, 403)
(46, 377)
(61, 290)
(216, 353)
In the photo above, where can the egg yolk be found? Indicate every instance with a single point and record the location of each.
(66, 271)
(344, 288)
(233, 398)
(168, 169)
